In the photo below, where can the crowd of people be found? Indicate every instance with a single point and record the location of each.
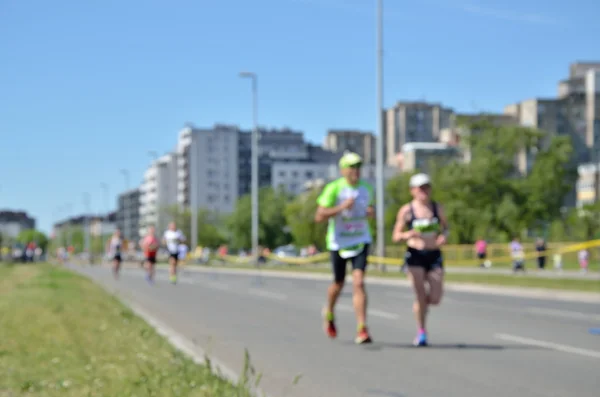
(173, 240)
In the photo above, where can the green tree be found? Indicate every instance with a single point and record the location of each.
(210, 225)
(300, 214)
(272, 231)
(32, 235)
(488, 196)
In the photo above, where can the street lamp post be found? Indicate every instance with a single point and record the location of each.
(254, 162)
(104, 188)
(126, 214)
(69, 210)
(87, 225)
(379, 186)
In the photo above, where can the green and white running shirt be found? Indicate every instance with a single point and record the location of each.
(348, 231)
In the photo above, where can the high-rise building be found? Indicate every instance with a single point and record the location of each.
(360, 142)
(413, 122)
(158, 193)
(207, 172)
(128, 214)
(575, 113)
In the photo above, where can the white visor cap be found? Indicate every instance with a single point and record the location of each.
(419, 180)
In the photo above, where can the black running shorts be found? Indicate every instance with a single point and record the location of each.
(338, 264)
(427, 259)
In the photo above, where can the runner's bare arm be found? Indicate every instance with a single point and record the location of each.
(371, 211)
(398, 233)
(324, 213)
(443, 220)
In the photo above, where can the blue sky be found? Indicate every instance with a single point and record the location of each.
(89, 87)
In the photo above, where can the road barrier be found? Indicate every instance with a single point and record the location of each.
(568, 254)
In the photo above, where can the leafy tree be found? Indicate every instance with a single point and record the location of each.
(272, 231)
(210, 230)
(300, 214)
(32, 235)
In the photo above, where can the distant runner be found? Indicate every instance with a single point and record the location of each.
(150, 245)
(346, 204)
(115, 247)
(423, 225)
(172, 238)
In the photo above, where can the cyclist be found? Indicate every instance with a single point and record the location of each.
(150, 245)
(172, 238)
(423, 225)
(346, 204)
(115, 246)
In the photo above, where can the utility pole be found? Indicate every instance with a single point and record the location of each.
(379, 185)
(254, 162)
(104, 187)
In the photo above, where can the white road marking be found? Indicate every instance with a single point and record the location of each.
(549, 345)
(382, 314)
(371, 312)
(267, 294)
(216, 285)
(564, 314)
(400, 295)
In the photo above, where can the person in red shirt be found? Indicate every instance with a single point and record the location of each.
(150, 245)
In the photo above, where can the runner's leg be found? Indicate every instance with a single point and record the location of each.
(435, 278)
(359, 296)
(173, 268)
(338, 265)
(417, 276)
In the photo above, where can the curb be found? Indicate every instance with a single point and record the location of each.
(178, 341)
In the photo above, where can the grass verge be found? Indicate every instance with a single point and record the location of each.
(518, 280)
(64, 336)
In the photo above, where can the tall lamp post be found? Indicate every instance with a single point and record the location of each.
(379, 186)
(126, 209)
(87, 225)
(104, 188)
(254, 162)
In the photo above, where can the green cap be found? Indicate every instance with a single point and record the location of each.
(350, 159)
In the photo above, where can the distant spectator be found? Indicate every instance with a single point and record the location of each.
(517, 254)
(584, 257)
(540, 247)
(558, 261)
(481, 251)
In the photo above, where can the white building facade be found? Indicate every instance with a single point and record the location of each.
(158, 192)
(295, 177)
(207, 170)
(292, 176)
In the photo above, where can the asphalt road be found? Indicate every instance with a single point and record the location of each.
(481, 345)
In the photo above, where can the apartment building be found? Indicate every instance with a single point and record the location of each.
(158, 192)
(360, 142)
(207, 169)
(128, 214)
(14, 222)
(413, 122)
(575, 112)
(103, 225)
(292, 176)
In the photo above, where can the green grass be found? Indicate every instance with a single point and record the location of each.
(61, 335)
(518, 280)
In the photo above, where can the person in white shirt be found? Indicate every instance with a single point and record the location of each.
(172, 238)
